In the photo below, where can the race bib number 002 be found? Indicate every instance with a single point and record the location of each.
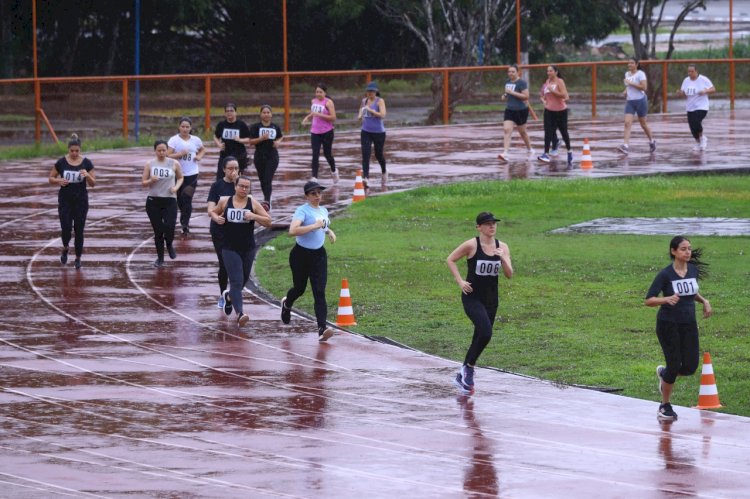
(685, 287)
(268, 132)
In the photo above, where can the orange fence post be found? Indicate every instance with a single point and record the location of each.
(125, 108)
(37, 111)
(49, 126)
(207, 103)
(593, 90)
(731, 85)
(664, 92)
(446, 95)
(287, 104)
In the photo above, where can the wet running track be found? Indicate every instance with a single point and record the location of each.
(121, 380)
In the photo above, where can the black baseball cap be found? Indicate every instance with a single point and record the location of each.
(312, 185)
(485, 217)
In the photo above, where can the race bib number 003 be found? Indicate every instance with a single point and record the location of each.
(159, 172)
(685, 287)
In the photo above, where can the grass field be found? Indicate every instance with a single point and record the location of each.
(573, 312)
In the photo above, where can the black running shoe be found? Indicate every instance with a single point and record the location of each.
(666, 413)
(227, 303)
(64, 256)
(78, 263)
(462, 387)
(324, 333)
(158, 263)
(171, 251)
(242, 320)
(286, 312)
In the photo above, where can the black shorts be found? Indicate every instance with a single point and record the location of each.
(519, 117)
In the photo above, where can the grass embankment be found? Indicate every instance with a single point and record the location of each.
(574, 310)
(32, 151)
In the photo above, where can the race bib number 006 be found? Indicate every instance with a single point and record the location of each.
(488, 267)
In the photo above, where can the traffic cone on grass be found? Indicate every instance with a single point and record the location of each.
(708, 397)
(586, 162)
(346, 313)
(359, 188)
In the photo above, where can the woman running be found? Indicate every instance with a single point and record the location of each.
(266, 137)
(554, 97)
(231, 137)
(676, 327)
(163, 177)
(238, 214)
(485, 257)
(636, 103)
(372, 113)
(696, 88)
(189, 150)
(516, 111)
(308, 258)
(322, 114)
(73, 173)
(222, 188)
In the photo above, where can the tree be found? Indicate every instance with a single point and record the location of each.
(449, 30)
(643, 18)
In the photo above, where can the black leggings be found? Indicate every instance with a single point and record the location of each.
(218, 241)
(555, 120)
(162, 212)
(185, 199)
(326, 140)
(483, 317)
(266, 163)
(695, 121)
(681, 348)
(313, 265)
(367, 139)
(72, 212)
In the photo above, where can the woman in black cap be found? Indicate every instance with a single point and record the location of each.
(308, 258)
(485, 256)
(372, 112)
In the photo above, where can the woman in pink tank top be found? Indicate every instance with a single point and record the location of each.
(554, 96)
(322, 115)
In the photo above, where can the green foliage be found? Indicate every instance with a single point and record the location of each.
(573, 311)
(47, 150)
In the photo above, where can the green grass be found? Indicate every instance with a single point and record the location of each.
(573, 312)
(41, 150)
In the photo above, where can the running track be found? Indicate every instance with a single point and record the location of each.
(119, 380)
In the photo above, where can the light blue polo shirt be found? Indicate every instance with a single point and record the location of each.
(309, 215)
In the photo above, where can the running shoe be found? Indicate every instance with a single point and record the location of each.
(286, 312)
(704, 142)
(64, 256)
(624, 149)
(324, 333)
(227, 303)
(652, 146)
(698, 146)
(467, 373)
(659, 370)
(171, 251)
(555, 145)
(462, 387)
(266, 205)
(544, 158)
(185, 230)
(77, 263)
(666, 413)
(531, 151)
(313, 179)
(335, 176)
(222, 302)
(158, 263)
(384, 178)
(366, 182)
(570, 159)
(242, 320)
(503, 156)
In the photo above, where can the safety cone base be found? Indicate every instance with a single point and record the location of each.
(708, 396)
(345, 316)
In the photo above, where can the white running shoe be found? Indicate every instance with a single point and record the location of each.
(335, 177)
(704, 142)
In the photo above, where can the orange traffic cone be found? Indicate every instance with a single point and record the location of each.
(359, 188)
(708, 397)
(586, 162)
(346, 313)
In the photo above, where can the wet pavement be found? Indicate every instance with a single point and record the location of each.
(121, 380)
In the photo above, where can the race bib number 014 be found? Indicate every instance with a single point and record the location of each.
(685, 287)
(72, 176)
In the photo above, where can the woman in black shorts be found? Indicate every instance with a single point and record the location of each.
(516, 112)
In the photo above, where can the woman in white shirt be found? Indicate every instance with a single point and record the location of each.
(696, 88)
(636, 104)
(188, 150)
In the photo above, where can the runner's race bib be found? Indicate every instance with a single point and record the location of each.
(691, 91)
(488, 267)
(268, 132)
(230, 134)
(685, 287)
(161, 172)
(72, 176)
(510, 87)
(236, 216)
(317, 108)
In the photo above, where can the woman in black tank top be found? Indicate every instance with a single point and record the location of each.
(485, 257)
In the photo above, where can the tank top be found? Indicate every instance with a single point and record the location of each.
(371, 123)
(551, 101)
(319, 125)
(482, 273)
(164, 171)
(238, 232)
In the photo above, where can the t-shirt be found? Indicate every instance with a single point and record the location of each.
(226, 132)
(77, 184)
(189, 148)
(309, 215)
(219, 189)
(695, 101)
(514, 103)
(668, 283)
(632, 92)
(273, 132)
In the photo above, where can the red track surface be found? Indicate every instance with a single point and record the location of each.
(120, 380)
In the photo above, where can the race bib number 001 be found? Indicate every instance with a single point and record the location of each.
(72, 176)
(488, 267)
(685, 287)
(237, 216)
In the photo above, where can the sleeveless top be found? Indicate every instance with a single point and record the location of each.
(164, 171)
(238, 232)
(482, 273)
(551, 101)
(319, 125)
(371, 123)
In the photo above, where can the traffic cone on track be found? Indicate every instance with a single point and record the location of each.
(586, 162)
(359, 188)
(346, 313)
(708, 397)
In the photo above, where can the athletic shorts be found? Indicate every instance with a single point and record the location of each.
(519, 117)
(639, 107)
